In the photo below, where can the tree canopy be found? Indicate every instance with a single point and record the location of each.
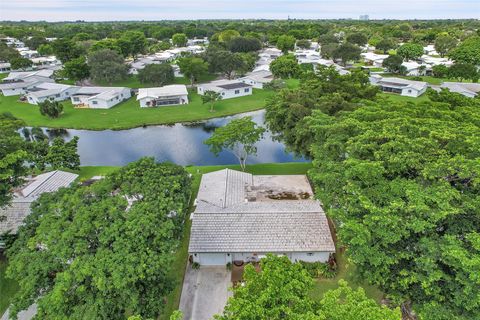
(158, 74)
(107, 66)
(102, 250)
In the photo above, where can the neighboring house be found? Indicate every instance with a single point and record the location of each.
(50, 91)
(197, 41)
(374, 59)
(470, 90)
(257, 79)
(5, 67)
(227, 88)
(430, 50)
(18, 83)
(45, 61)
(176, 71)
(12, 216)
(400, 86)
(240, 217)
(100, 97)
(175, 94)
(413, 68)
(434, 61)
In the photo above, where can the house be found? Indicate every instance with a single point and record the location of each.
(45, 61)
(400, 86)
(5, 67)
(49, 91)
(470, 90)
(18, 83)
(12, 216)
(374, 59)
(100, 97)
(434, 61)
(227, 88)
(177, 73)
(414, 68)
(197, 41)
(257, 79)
(430, 50)
(175, 94)
(240, 218)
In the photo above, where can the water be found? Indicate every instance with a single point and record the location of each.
(179, 143)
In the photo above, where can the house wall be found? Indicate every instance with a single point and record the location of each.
(228, 94)
(214, 259)
(182, 98)
(64, 95)
(255, 84)
(409, 92)
(13, 92)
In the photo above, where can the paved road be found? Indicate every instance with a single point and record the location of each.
(205, 292)
(23, 315)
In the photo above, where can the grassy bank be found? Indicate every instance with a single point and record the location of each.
(8, 287)
(128, 114)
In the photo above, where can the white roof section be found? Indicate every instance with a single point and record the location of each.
(102, 93)
(21, 75)
(46, 89)
(262, 76)
(165, 91)
(469, 89)
(221, 85)
(401, 83)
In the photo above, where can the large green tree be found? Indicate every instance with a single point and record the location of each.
(410, 51)
(66, 49)
(444, 43)
(239, 137)
(285, 67)
(102, 251)
(50, 108)
(402, 183)
(107, 66)
(467, 51)
(132, 43)
(179, 39)
(286, 43)
(347, 52)
(76, 69)
(158, 74)
(193, 68)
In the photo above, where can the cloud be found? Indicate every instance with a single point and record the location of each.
(55, 10)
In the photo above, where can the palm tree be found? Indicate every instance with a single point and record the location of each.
(211, 97)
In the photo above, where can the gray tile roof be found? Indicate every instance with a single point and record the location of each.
(12, 216)
(225, 222)
(261, 232)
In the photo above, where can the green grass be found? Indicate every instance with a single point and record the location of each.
(398, 98)
(128, 114)
(8, 287)
(346, 271)
(428, 79)
(133, 82)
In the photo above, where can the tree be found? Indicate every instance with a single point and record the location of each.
(164, 33)
(440, 71)
(132, 43)
(347, 52)
(327, 38)
(107, 66)
(63, 155)
(385, 44)
(65, 50)
(50, 108)
(280, 290)
(467, 51)
(239, 137)
(158, 74)
(328, 49)
(357, 38)
(211, 97)
(45, 50)
(444, 43)
(345, 303)
(285, 67)
(107, 246)
(7, 53)
(463, 71)
(111, 44)
(179, 39)
(286, 43)
(304, 44)
(393, 64)
(20, 63)
(410, 51)
(76, 69)
(227, 35)
(244, 44)
(399, 180)
(13, 156)
(226, 62)
(193, 68)
(34, 42)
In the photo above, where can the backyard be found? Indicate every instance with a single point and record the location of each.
(128, 114)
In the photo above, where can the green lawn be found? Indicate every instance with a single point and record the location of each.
(398, 98)
(7, 287)
(428, 79)
(128, 114)
(346, 271)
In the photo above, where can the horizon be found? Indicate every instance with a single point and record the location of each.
(190, 10)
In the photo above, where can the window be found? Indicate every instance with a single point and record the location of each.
(237, 91)
(409, 91)
(310, 254)
(94, 102)
(223, 93)
(76, 99)
(57, 95)
(247, 90)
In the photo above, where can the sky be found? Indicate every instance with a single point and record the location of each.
(108, 10)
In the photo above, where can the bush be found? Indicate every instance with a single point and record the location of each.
(195, 265)
(275, 85)
(229, 266)
(319, 269)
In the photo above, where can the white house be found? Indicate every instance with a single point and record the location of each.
(415, 69)
(100, 97)
(470, 90)
(257, 79)
(49, 91)
(18, 83)
(12, 216)
(175, 94)
(5, 67)
(227, 88)
(400, 86)
(430, 50)
(45, 61)
(374, 59)
(240, 218)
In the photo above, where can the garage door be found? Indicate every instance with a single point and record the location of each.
(212, 259)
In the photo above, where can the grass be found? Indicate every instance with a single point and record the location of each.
(346, 271)
(398, 98)
(133, 82)
(128, 114)
(8, 287)
(427, 79)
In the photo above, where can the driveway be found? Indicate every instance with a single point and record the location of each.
(205, 292)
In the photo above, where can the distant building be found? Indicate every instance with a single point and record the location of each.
(227, 88)
(400, 86)
(175, 94)
(364, 17)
